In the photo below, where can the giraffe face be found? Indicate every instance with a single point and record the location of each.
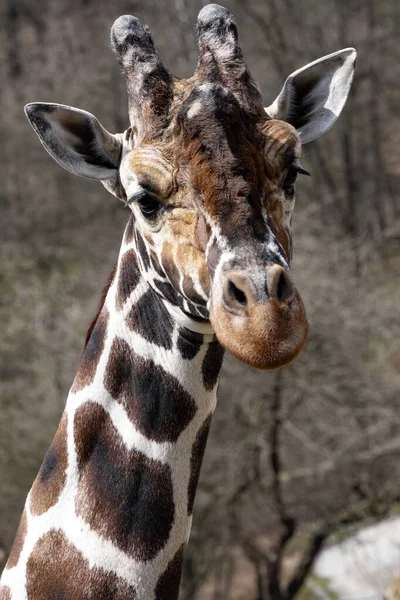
(212, 208)
(209, 176)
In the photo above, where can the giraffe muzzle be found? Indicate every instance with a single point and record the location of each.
(260, 318)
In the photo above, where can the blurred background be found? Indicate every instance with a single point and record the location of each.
(299, 460)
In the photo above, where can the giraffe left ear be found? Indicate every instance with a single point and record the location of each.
(313, 97)
(78, 142)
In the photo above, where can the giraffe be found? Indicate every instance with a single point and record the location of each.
(208, 175)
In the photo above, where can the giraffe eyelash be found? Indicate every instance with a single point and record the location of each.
(137, 197)
(149, 205)
(301, 170)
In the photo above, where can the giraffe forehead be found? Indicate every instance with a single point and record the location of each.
(224, 149)
(282, 142)
(152, 169)
(208, 105)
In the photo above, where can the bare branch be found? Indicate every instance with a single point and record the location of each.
(287, 521)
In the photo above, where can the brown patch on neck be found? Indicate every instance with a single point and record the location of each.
(103, 297)
(129, 277)
(168, 585)
(212, 365)
(56, 569)
(129, 232)
(154, 400)
(196, 459)
(123, 495)
(18, 543)
(51, 478)
(92, 352)
(5, 593)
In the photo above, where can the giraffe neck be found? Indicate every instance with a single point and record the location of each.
(111, 508)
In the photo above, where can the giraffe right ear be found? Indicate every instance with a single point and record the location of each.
(78, 142)
(313, 97)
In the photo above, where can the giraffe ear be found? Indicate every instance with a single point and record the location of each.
(78, 142)
(313, 97)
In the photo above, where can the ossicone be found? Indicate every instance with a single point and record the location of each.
(148, 82)
(221, 58)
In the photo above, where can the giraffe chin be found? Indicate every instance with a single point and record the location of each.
(267, 336)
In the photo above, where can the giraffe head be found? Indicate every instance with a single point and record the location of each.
(209, 176)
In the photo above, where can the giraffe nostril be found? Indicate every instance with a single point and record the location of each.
(237, 294)
(280, 285)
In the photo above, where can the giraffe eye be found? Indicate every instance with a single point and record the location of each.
(289, 181)
(149, 206)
